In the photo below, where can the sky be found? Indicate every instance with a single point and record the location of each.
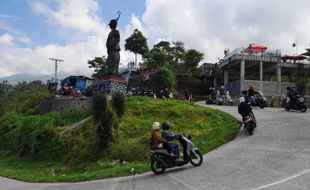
(32, 31)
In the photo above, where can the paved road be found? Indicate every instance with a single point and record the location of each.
(276, 157)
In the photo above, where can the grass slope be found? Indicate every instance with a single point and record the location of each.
(129, 153)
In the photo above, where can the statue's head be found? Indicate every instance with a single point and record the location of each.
(113, 22)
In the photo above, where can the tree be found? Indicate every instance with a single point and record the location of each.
(158, 58)
(307, 53)
(168, 77)
(100, 66)
(178, 51)
(163, 45)
(191, 59)
(137, 44)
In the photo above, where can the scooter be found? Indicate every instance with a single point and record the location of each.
(261, 101)
(299, 104)
(249, 124)
(161, 159)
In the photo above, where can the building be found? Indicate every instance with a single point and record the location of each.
(260, 67)
(80, 82)
(207, 69)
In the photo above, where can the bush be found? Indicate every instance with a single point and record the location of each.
(118, 103)
(37, 136)
(105, 120)
(82, 146)
(168, 77)
(30, 105)
(34, 136)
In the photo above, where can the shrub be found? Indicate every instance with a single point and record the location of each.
(105, 120)
(168, 77)
(32, 102)
(82, 146)
(118, 103)
(33, 136)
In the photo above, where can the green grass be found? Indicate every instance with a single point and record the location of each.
(209, 129)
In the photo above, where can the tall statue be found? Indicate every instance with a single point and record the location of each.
(113, 47)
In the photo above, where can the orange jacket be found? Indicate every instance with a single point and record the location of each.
(156, 140)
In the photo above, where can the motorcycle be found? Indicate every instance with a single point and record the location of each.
(226, 98)
(220, 99)
(299, 104)
(261, 101)
(213, 97)
(161, 159)
(249, 124)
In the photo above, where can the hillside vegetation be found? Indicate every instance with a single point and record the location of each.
(77, 157)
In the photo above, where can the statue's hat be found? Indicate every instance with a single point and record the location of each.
(113, 22)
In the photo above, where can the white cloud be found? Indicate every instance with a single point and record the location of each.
(210, 25)
(76, 15)
(85, 36)
(6, 39)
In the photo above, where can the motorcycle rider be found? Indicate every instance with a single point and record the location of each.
(156, 141)
(168, 136)
(245, 110)
(291, 94)
(251, 94)
(222, 91)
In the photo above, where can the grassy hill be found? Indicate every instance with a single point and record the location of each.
(128, 153)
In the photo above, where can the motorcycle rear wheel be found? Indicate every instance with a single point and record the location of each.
(196, 159)
(157, 167)
(250, 129)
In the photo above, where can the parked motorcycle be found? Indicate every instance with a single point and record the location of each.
(299, 104)
(213, 97)
(219, 98)
(261, 101)
(161, 159)
(249, 124)
(226, 99)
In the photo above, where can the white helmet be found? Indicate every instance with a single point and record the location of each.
(155, 125)
(241, 99)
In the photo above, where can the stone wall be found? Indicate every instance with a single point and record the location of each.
(65, 104)
(111, 86)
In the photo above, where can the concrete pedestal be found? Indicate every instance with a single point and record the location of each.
(111, 84)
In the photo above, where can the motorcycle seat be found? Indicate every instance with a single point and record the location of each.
(161, 150)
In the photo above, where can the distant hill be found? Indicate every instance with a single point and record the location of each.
(14, 79)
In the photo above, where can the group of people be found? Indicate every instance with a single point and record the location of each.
(163, 94)
(75, 92)
(164, 139)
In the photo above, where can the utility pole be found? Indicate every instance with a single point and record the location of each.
(56, 68)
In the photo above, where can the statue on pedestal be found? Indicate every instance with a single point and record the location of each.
(113, 47)
(112, 82)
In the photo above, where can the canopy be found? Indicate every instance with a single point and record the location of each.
(254, 48)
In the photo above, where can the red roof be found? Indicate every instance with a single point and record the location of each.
(254, 48)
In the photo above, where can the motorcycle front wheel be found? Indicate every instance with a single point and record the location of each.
(303, 108)
(196, 159)
(157, 167)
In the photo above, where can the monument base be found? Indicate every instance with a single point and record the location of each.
(110, 85)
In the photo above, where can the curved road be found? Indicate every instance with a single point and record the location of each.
(276, 157)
